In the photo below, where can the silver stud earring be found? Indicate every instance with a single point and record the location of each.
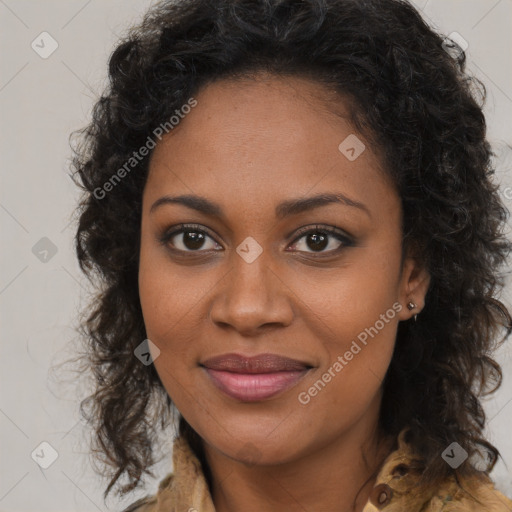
(410, 307)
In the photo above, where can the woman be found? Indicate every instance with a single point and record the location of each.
(290, 208)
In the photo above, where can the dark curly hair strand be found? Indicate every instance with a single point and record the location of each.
(411, 97)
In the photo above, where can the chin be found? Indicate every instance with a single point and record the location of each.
(258, 450)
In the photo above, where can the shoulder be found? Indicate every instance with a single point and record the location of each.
(477, 494)
(150, 503)
(398, 488)
(180, 489)
(143, 505)
(399, 493)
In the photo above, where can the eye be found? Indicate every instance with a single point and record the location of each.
(319, 238)
(189, 238)
(195, 238)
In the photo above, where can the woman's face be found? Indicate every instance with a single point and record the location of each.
(246, 278)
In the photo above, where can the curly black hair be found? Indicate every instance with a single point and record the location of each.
(410, 95)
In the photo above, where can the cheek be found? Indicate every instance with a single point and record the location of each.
(174, 306)
(168, 295)
(348, 382)
(352, 297)
(355, 314)
(164, 304)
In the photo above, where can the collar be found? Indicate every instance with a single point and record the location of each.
(186, 488)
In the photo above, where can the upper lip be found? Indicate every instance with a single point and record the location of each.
(262, 363)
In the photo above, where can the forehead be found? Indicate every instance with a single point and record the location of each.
(257, 141)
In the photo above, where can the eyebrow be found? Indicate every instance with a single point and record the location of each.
(284, 209)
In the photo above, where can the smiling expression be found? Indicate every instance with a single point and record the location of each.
(260, 236)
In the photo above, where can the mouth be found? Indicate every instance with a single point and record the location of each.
(251, 379)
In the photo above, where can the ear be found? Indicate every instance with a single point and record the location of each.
(414, 284)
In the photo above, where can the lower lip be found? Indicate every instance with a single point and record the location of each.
(253, 387)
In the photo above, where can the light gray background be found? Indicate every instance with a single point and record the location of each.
(41, 102)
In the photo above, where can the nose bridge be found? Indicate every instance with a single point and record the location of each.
(250, 271)
(252, 295)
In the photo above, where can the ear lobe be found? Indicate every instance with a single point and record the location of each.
(414, 286)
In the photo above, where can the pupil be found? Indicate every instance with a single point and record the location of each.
(319, 241)
(193, 239)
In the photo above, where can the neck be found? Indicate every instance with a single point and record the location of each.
(336, 478)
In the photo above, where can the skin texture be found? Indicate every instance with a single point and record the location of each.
(248, 145)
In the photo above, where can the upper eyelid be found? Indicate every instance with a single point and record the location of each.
(331, 230)
(180, 228)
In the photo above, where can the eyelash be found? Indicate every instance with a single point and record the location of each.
(183, 228)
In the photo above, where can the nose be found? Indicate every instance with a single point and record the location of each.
(251, 298)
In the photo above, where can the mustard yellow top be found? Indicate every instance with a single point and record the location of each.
(186, 489)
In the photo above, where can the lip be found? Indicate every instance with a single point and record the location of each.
(250, 379)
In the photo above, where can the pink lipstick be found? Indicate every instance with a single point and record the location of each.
(251, 379)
